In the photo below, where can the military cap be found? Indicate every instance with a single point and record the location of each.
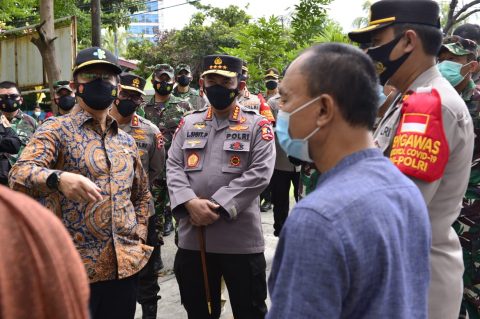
(181, 67)
(225, 65)
(96, 55)
(132, 82)
(459, 46)
(272, 73)
(60, 85)
(160, 69)
(387, 12)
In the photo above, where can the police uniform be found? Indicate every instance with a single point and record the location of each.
(443, 193)
(229, 161)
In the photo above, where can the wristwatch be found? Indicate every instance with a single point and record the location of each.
(53, 180)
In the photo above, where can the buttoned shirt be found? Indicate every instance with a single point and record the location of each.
(107, 233)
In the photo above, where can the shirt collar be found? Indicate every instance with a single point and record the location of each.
(425, 77)
(235, 114)
(81, 117)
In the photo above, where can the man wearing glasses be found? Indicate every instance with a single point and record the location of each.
(150, 146)
(89, 172)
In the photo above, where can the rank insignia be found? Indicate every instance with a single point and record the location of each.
(235, 161)
(192, 160)
(235, 114)
(239, 128)
(194, 142)
(209, 114)
(200, 125)
(236, 146)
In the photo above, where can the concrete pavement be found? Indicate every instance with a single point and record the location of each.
(169, 307)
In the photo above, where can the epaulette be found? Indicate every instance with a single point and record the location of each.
(202, 110)
(145, 121)
(247, 110)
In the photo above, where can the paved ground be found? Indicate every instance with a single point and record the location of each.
(169, 306)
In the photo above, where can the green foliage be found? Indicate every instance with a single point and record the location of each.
(16, 11)
(332, 32)
(309, 19)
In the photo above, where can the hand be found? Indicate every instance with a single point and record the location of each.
(202, 211)
(5, 121)
(79, 188)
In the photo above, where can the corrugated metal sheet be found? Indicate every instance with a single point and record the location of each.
(21, 62)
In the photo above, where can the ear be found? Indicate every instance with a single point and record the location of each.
(326, 112)
(72, 86)
(201, 82)
(241, 85)
(410, 41)
(474, 66)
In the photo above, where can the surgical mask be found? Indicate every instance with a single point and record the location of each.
(37, 114)
(219, 96)
(97, 94)
(162, 87)
(66, 102)
(271, 85)
(451, 71)
(183, 80)
(126, 107)
(9, 104)
(381, 96)
(386, 68)
(297, 148)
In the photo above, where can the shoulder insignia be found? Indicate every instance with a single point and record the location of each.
(209, 114)
(263, 122)
(267, 133)
(235, 114)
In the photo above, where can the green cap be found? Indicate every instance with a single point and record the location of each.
(160, 69)
(181, 67)
(459, 46)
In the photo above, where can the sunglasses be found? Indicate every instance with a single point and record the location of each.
(9, 96)
(94, 76)
(135, 98)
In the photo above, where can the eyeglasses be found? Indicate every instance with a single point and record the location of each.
(9, 96)
(134, 97)
(93, 76)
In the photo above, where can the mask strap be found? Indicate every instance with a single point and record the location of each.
(305, 105)
(311, 134)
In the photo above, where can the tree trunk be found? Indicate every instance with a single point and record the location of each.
(460, 14)
(46, 45)
(96, 23)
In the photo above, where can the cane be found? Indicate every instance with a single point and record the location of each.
(201, 239)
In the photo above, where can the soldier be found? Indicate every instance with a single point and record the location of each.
(64, 97)
(9, 144)
(89, 173)
(221, 159)
(183, 90)
(427, 132)
(271, 83)
(152, 154)
(23, 124)
(165, 111)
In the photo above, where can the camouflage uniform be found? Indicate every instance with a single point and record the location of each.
(166, 116)
(192, 96)
(308, 179)
(467, 225)
(24, 125)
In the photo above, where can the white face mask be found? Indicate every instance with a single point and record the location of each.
(37, 113)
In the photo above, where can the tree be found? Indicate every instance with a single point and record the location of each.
(309, 19)
(362, 21)
(46, 45)
(458, 13)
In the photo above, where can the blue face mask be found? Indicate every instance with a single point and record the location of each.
(451, 71)
(381, 96)
(297, 148)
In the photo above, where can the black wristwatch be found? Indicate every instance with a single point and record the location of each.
(53, 180)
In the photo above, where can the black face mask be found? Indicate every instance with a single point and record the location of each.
(271, 85)
(163, 87)
(380, 56)
(66, 102)
(125, 107)
(183, 80)
(97, 94)
(219, 96)
(9, 105)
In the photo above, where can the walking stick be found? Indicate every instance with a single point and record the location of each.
(201, 239)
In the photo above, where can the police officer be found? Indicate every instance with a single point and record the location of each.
(165, 110)
(245, 98)
(64, 97)
(9, 144)
(23, 124)
(405, 37)
(271, 83)
(183, 90)
(221, 159)
(152, 154)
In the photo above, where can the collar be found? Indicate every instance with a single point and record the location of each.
(425, 77)
(235, 114)
(81, 117)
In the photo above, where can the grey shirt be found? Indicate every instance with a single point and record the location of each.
(443, 196)
(230, 161)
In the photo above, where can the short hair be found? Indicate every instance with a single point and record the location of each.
(469, 31)
(430, 36)
(9, 85)
(349, 76)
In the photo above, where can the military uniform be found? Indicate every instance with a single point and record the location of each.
(24, 125)
(191, 96)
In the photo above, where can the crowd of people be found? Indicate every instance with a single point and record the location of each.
(380, 144)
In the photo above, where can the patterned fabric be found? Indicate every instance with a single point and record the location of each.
(108, 233)
(24, 125)
(191, 96)
(467, 225)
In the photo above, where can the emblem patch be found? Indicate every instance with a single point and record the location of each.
(159, 139)
(192, 160)
(235, 161)
(267, 134)
(200, 125)
(236, 146)
(193, 142)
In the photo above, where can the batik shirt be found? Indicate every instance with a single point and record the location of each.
(108, 234)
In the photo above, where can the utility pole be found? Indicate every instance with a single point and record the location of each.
(96, 23)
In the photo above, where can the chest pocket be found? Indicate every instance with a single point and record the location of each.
(236, 156)
(194, 153)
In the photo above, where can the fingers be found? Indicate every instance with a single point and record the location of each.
(212, 205)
